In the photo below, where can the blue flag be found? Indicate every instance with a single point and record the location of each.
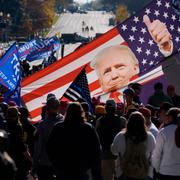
(38, 49)
(10, 68)
(14, 95)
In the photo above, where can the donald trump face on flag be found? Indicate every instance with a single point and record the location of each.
(115, 67)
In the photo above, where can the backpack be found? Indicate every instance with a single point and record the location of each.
(134, 162)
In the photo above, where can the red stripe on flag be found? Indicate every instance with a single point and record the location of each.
(71, 57)
(36, 112)
(88, 68)
(38, 92)
(94, 85)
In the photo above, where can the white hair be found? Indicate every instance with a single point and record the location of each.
(115, 47)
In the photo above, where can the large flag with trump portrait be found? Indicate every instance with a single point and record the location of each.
(132, 51)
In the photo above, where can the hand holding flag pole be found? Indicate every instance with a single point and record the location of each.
(159, 33)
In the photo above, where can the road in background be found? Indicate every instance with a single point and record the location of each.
(70, 23)
(73, 23)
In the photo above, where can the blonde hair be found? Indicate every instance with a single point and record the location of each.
(115, 47)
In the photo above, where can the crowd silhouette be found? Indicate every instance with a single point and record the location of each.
(120, 141)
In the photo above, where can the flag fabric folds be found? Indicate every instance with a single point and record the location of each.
(79, 90)
(38, 49)
(57, 78)
(14, 95)
(10, 70)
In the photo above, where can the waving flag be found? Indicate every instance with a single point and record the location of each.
(38, 49)
(14, 95)
(79, 90)
(134, 32)
(10, 69)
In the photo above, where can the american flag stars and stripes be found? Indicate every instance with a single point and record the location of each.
(58, 77)
(135, 33)
(79, 90)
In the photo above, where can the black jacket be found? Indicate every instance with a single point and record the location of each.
(73, 148)
(107, 128)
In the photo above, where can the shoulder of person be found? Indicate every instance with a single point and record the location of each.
(59, 124)
(101, 118)
(150, 135)
(41, 125)
(151, 140)
(168, 129)
(168, 98)
(89, 126)
(60, 117)
(122, 133)
(120, 118)
(120, 136)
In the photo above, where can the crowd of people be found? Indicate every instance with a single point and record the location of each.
(120, 141)
(27, 70)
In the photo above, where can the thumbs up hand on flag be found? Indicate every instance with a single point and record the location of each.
(159, 33)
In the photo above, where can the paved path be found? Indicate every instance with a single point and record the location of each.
(71, 23)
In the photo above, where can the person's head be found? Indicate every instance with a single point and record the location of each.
(172, 115)
(12, 115)
(115, 67)
(163, 111)
(153, 110)
(120, 108)
(24, 112)
(136, 87)
(63, 106)
(147, 114)
(136, 129)
(171, 90)
(49, 96)
(158, 86)
(110, 106)
(74, 113)
(130, 111)
(52, 106)
(95, 101)
(128, 95)
(100, 110)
